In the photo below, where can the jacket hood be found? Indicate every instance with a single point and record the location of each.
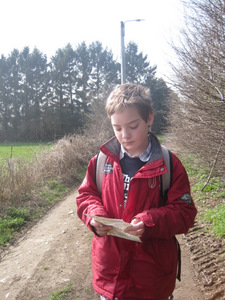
(112, 148)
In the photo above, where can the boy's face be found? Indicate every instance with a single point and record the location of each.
(131, 130)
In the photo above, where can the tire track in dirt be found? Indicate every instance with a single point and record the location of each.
(208, 259)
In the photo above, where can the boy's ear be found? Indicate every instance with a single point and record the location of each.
(150, 119)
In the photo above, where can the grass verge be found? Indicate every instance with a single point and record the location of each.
(15, 218)
(61, 294)
(216, 217)
(210, 201)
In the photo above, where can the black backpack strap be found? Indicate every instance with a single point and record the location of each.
(179, 260)
(166, 179)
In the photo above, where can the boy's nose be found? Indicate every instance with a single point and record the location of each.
(126, 134)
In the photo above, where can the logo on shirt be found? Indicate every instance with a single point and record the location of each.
(126, 180)
(108, 168)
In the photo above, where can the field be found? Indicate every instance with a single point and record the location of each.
(20, 150)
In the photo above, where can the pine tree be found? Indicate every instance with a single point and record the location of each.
(137, 66)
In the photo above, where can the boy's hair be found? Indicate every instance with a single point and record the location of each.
(130, 95)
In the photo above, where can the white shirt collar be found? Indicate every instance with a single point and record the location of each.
(144, 156)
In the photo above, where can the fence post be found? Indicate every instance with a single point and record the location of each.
(11, 151)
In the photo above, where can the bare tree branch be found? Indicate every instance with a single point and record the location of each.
(197, 115)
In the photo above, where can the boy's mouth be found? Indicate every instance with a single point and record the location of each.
(128, 143)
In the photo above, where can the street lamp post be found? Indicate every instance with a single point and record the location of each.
(123, 63)
(123, 69)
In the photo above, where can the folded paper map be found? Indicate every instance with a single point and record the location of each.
(118, 227)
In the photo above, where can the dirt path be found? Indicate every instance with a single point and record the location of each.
(57, 252)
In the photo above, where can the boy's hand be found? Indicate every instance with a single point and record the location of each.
(137, 228)
(99, 228)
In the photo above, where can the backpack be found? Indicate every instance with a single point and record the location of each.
(165, 178)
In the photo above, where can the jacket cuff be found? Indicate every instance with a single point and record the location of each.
(146, 218)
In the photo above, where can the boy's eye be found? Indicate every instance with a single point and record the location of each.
(134, 127)
(119, 129)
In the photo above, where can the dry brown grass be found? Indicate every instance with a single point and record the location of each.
(65, 161)
(16, 179)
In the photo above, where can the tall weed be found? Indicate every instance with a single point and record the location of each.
(17, 177)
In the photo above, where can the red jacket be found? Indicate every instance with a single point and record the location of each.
(127, 269)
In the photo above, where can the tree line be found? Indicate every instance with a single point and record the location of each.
(42, 100)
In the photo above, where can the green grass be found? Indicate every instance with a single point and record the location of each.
(13, 220)
(198, 175)
(211, 210)
(20, 150)
(54, 192)
(47, 196)
(61, 294)
(216, 216)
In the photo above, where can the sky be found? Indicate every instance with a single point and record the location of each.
(52, 24)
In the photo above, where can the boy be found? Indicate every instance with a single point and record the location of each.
(131, 184)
